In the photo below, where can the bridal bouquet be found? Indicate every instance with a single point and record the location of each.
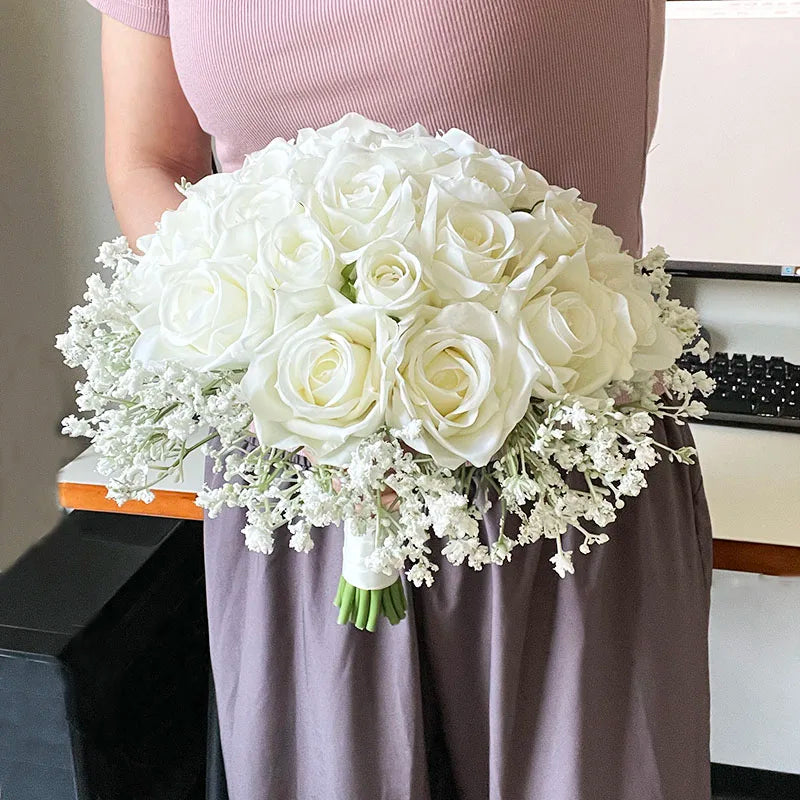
(389, 332)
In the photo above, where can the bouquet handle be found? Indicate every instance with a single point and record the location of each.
(363, 595)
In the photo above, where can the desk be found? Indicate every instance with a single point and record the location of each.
(752, 480)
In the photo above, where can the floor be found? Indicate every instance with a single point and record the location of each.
(728, 783)
(739, 783)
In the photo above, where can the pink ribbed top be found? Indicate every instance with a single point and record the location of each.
(569, 86)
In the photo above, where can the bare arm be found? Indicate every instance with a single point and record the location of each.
(152, 135)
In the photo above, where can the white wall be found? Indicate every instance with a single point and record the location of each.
(754, 647)
(54, 210)
(724, 165)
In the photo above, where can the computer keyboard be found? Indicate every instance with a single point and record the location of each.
(755, 391)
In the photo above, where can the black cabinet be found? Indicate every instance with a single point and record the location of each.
(104, 662)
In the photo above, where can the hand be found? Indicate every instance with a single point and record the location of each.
(388, 498)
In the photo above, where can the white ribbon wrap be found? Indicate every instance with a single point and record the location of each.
(355, 551)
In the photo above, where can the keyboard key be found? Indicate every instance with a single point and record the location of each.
(776, 367)
(756, 390)
(766, 407)
(729, 402)
(791, 410)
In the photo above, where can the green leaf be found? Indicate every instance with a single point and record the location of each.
(348, 290)
(349, 272)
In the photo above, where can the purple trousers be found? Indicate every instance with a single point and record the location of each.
(505, 684)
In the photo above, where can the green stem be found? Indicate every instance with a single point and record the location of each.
(363, 607)
(164, 411)
(388, 608)
(374, 610)
(347, 603)
(177, 463)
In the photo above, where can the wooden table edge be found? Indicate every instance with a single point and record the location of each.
(92, 497)
(729, 554)
(765, 559)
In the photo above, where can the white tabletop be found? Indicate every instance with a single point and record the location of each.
(83, 470)
(752, 481)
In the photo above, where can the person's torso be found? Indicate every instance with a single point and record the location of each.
(565, 85)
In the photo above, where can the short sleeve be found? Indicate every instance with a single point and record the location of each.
(150, 16)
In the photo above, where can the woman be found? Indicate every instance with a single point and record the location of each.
(508, 684)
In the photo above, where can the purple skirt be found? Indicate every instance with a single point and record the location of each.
(505, 684)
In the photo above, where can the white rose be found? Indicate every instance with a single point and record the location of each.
(578, 330)
(602, 241)
(422, 158)
(360, 195)
(183, 235)
(352, 127)
(181, 231)
(563, 223)
(214, 315)
(466, 377)
(321, 383)
(299, 254)
(266, 202)
(470, 239)
(657, 347)
(250, 212)
(518, 185)
(209, 315)
(389, 276)
(213, 188)
(221, 218)
(281, 161)
(273, 161)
